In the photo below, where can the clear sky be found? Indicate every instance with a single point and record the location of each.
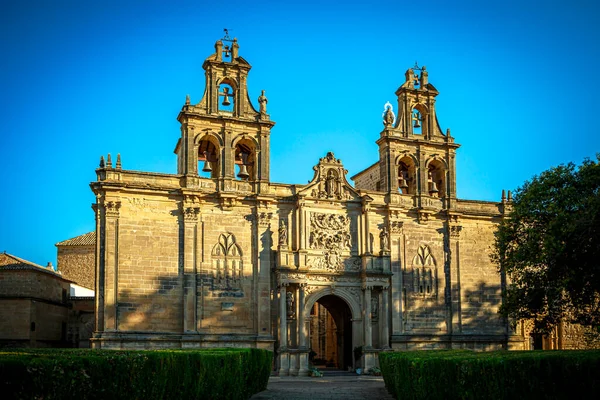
(518, 83)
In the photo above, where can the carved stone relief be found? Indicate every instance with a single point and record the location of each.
(330, 233)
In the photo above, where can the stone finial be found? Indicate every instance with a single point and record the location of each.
(102, 163)
(187, 99)
(448, 133)
(409, 76)
(108, 161)
(424, 77)
(49, 265)
(118, 165)
(510, 196)
(503, 195)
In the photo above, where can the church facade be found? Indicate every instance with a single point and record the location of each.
(218, 255)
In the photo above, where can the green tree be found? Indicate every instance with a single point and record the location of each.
(548, 248)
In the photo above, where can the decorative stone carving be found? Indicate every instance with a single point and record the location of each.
(111, 208)
(264, 218)
(190, 214)
(455, 231)
(396, 227)
(330, 231)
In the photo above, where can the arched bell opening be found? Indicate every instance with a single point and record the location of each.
(419, 119)
(331, 333)
(208, 157)
(407, 182)
(227, 89)
(245, 159)
(436, 179)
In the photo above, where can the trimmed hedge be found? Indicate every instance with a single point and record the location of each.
(463, 374)
(130, 375)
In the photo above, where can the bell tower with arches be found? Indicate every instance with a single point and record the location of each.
(415, 157)
(223, 137)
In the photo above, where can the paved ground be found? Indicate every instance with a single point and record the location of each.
(331, 386)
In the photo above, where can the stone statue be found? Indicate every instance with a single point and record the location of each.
(330, 184)
(262, 102)
(374, 307)
(289, 300)
(388, 114)
(385, 239)
(282, 233)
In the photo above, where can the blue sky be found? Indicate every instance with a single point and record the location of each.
(518, 86)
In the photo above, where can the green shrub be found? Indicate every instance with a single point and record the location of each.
(490, 375)
(130, 375)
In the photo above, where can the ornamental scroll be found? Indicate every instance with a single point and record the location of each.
(331, 233)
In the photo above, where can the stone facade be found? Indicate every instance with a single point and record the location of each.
(232, 259)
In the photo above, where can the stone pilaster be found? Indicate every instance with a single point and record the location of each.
(384, 318)
(111, 263)
(190, 233)
(263, 281)
(284, 363)
(368, 317)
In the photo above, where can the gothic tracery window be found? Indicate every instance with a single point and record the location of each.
(424, 273)
(227, 263)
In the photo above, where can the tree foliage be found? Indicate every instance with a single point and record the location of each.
(548, 248)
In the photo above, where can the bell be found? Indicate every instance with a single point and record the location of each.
(206, 167)
(417, 124)
(434, 190)
(243, 174)
(226, 101)
(402, 184)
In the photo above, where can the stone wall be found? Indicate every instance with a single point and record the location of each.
(368, 179)
(77, 263)
(33, 308)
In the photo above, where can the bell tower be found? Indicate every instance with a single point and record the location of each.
(223, 137)
(415, 157)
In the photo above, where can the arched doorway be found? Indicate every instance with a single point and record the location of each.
(331, 333)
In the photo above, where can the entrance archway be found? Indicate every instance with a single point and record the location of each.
(331, 333)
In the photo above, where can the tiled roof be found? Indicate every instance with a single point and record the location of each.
(87, 239)
(10, 262)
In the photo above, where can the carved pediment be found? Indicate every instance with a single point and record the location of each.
(329, 181)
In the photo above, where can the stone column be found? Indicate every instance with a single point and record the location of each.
(302, 347)
(384, 318)
(301, 317)
(367, 311)
(284, 362)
